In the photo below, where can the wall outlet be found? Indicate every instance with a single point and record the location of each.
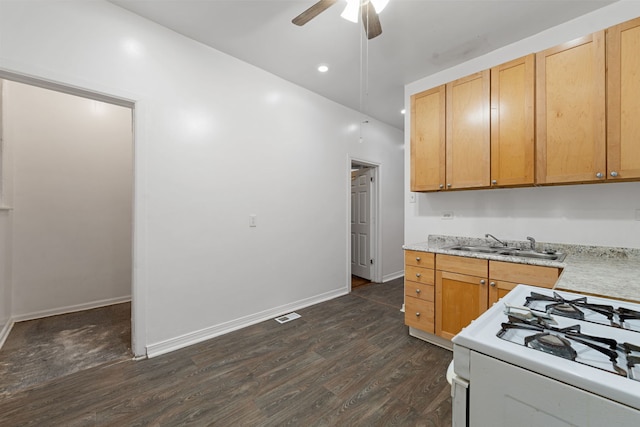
(252, 221)
(447, 215)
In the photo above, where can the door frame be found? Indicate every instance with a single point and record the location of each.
(138, 109)
(374, 211)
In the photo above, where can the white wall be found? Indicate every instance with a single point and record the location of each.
(5, 235)
(216, 140)
(596, 214)
(71, 193)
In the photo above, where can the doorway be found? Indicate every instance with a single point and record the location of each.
(68, 180)
(364, 262)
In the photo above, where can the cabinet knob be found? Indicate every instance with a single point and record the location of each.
(614, 174)
(482, 282)
(417, 291)
(417, 314)
(492, 284)
(418, 274)
(441, 186)
(599, 175)
(418, 258)
(494, 182)
(448, 185)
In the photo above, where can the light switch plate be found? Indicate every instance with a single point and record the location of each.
(252, 221)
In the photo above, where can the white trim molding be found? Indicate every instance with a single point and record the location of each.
(191, 338)
(4, 333)
(71, 309)
(392, 276)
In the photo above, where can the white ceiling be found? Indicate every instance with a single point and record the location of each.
(419, 38)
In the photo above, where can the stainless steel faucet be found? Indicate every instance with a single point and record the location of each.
(533, 243)
(496, 239)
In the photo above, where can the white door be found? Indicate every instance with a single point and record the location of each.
(361, 223)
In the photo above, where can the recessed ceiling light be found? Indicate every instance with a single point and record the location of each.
(403, 111)
(323, 68)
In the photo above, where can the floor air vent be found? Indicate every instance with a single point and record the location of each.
(287, 318)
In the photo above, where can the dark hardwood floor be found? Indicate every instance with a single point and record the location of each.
(345, 362)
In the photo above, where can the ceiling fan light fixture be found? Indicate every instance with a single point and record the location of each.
(379, 5)
(352, 10)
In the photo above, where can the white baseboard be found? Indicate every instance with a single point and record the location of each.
(6, 330)
(392, 276)
(216, 330)
(70, 309)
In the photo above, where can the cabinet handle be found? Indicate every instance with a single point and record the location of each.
(418, 258)
(599, 175)
(418, 274)
(417, 314)
(494, 182)
(441, 186)
(448, 185)
(417, 291)
(482, 282)
(614, 174)
(492, 284)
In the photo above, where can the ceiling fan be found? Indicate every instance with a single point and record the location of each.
(369, 9)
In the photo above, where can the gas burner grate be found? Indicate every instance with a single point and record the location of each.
(560, 342)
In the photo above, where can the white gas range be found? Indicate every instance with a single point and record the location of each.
(541, 357)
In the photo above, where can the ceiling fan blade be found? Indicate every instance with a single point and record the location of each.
(371, 21)
(313, 11)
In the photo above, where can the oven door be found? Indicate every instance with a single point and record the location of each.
(501, 394)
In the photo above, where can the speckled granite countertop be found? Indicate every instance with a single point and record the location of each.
(599, 270)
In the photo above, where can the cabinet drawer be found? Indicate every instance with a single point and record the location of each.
(419, 259)
(534, 275)
(462, 265)
(419, 290)
(419, 314)
(419, 274)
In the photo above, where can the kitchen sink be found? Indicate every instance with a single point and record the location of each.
(480, 249)
(555, 256)
(509, 251)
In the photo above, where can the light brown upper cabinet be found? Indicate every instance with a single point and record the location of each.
(623, 98)
(428, 140)
(468, 134)
(513, 122)
(570, 108)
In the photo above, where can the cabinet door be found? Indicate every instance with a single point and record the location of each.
(468, 132)
(498, 289)
(428, 140)
(570, 105)
(623, 98)
(459, 300)
(512, 122)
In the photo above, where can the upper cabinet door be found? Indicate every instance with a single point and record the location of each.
(570, 105)
(427, 140)
(623, 86)
(513, 122)
(468, 132)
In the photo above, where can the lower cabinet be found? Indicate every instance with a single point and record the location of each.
(444, 293)
(419, 290)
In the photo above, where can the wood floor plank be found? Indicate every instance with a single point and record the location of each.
(348, 361)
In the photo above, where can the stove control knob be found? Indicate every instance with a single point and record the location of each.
(482, 282)
(492, 284)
